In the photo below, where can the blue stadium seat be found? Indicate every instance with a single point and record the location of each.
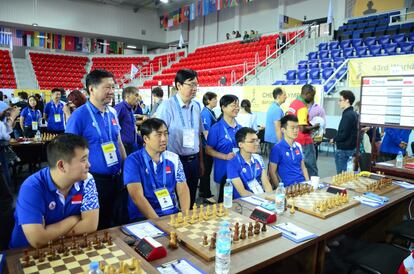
(290, 82)
(323, 46)
(361, 51)
(357, 34)
(313, 65)
(333, 45)
(312, 55)
(348, 53)
(328, 85)
(291, 75)
(341, 72)
(406, 47)
(336, 53)
(279, 83)
(345, 44)
(302, 74)
(326, 65)
(362, 25)
(372, 23)
(357, 42)
(385, 39)
(323, 54)
(369, 41)
(303, 64)
(314, 74)
(390, 49)
(411, 37)
(338, 62)
(326, 73)
(375, 50)
(316, 82)
(399, 38)
(302, 82)
(391, 30)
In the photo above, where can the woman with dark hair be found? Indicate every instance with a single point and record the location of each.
(30, 118)
(221, 140)
(246, 118)
(75, 100)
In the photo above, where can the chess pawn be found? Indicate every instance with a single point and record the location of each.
(215, 208)
(173, 240)
(205, 240)
(187, 214)
(208, 210)
(179, 217)
(172, 220)
(201, 215)
(194, 209)
(292, 208)
(202, 208)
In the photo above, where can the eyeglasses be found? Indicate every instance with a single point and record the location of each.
(192, 85)
(255, 141)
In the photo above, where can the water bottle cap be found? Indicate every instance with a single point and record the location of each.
(94, 265)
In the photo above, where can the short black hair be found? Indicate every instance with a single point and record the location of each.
(23, 94)
(277, 92)
(242, 133)
(286, 119)
(61, 90)
(348, 95)
(228, 99)
(128, 90)
(307, 88)
(208, 96)
(95, 77)
(150, 125)
(184, 74)
(63, 148)
(157, 92)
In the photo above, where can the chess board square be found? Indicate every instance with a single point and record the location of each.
(193, 236)
(59, 268)
(103, 251)
(84, 262)
(69, 260)
(92, 253)
(118, 253)
(76, 270)
(72, 265)
(32, 269)
(81, 257)
(43, 266)
(112, 260)
(107, 256)
(95, 258)
(56, 263)
(123, 257)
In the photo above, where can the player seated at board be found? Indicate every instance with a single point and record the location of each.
(58, 200)
(154, 176)
(247, 170)
(286, 158)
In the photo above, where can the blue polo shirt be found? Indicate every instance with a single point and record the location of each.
(239, 168)
(81, 123)
(50, 110)
(39, 201)
(288, 160)
(136, 171)
(392, 138)
(30, 116)
(208, 118)
(222, 142)
(127, 122)
(274, 113)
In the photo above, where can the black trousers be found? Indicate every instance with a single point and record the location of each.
(28, 132)
(6, 215)
(129, 148)
(192, 174)
(113, 199)
(221, 189)
(205, 191)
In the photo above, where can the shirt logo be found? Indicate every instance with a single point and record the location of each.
(52, 205)
(77, 199)
(167, 169)
(297, 152)
(287, 153)
(113, 122)
(244, 170)
(257, 166)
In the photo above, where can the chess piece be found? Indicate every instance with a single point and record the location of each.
(37, 254)
(96, 239)
(208, 212)
(41, 257)
(213, 243)
(243, 232)
(102, 266)
(256, 228)
(66, 252)
(264, 228)
(194, 209)
(221, 211)
(85, 240)
(292, 207)
(173, 244)
(250, 230)
(201, 209)
(109, 240)
(172, 220)
(179, 217)
(53, 256)
(187, 215)
(99, 245)
(106, 236)
(193, 219)
(215, 208)
(26, 258)
(205, 240)
(201, 214)
(77, 250)
(236, 233)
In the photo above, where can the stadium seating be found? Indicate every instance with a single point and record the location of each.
(7, 79)
(56, 70)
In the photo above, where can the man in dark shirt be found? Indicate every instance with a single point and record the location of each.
(346, 137)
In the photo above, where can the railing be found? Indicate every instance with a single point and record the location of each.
(399, 18)
(301, 34)
(333, 76)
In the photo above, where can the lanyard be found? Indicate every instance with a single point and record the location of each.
(55, 110)
(211, 114)
(151, 172)
(180, 111)
(95, 124)
(229, 137)
(253, 171)
(35, 115)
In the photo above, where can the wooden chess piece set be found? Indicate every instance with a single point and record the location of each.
(298, 190)
(198, 214)
(344, 177)
(331, 203)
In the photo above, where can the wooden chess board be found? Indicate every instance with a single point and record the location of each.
(107, 255)
(361, 183)
(192, 235)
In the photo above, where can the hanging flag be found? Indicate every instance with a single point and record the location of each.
(170, 22)
(17, 37)
(36, 39)
(63, 42)
(212, 6)
(78, 43)
(219, 4)
(5, 37)
(164, 21)
(199, 8)
(234, 3)
(113, 47)
(120, 47)
(330, 12)
(185, 13)
(192, 11)
(181, 41)
(134, 70)
(69, 43)
(206, 7)
(176, 17)
(49, 40)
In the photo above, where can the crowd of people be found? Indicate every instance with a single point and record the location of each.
(115, 165)
(251, 35)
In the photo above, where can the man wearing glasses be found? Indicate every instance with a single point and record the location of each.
(286, 158)
(182, 116)
(247, 170)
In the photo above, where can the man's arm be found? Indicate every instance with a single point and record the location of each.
(273, 174)
(201, 157)
(304, 170)
(265, 181)
(121, 148)
(278, 130)
(137, 195)
(39, 235)
(88, 222)
(183, 196)
(213, 153)
(22, 123)
(238, 184)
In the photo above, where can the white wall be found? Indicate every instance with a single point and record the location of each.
(261, 15)
(84, 17)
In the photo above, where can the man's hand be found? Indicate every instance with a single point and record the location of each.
(230, 156)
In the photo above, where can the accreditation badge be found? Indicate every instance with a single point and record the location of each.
(188, 138)
(109, 152)
(164, 199)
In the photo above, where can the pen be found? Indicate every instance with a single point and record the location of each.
(175, 268)
(286, 230)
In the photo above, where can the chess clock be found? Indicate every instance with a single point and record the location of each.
(263, 215)
(336, 189)
(150, 249)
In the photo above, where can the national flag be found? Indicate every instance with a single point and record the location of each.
(212, 6)
(192, 11)
(234, 3)
(185, 13)
(63, 42)
(176, 18)
(36, 39)
(199, 8)
(78, 43)
(164, 21)
(167, 169)
(330, 12)
(113, 47)
(181, 41)
(42, 39)
(69, 43)
(17, 37)
(134, 70)
(120, 47)
(6, 37)
(59, 42)
(219, 4)
(86, 44)
(49, 40)
(206, 7)
(170, 22)
(77, 199)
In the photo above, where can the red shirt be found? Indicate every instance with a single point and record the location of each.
(300, 110)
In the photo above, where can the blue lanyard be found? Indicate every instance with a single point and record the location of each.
(253, 171)
(95, 124)
(55, 110)
(180, 111)
(233, 141)
(35, 115)
(211, 114)
(151, 172)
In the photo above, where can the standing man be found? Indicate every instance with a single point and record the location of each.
(157, 95)
(98, 123)
(346, 138)
(299, 108)
(126, 118)
(53, 113)
(273, 132)
(155, 177)
(182, 116)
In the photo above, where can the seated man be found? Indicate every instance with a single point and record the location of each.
(153, 176)
(247, 170)
(286, 157)
(58, 200)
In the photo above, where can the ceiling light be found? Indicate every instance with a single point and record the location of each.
(34, 24)
(131, 47)
(164, 1)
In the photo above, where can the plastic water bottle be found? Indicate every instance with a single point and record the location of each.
(228, 194)
(38, 136)
(280, 199)
(94, 268)
(350, 164)
(400, 158)
(223, 249)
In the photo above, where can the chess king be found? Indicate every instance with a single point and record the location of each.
(154, 176)
(58, 200)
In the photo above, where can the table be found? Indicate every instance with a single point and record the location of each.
(389, 169)
(284, 256)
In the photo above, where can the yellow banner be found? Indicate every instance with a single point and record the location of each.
(44, 93)
(387, 65)
(364, 7)
(262, 96)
